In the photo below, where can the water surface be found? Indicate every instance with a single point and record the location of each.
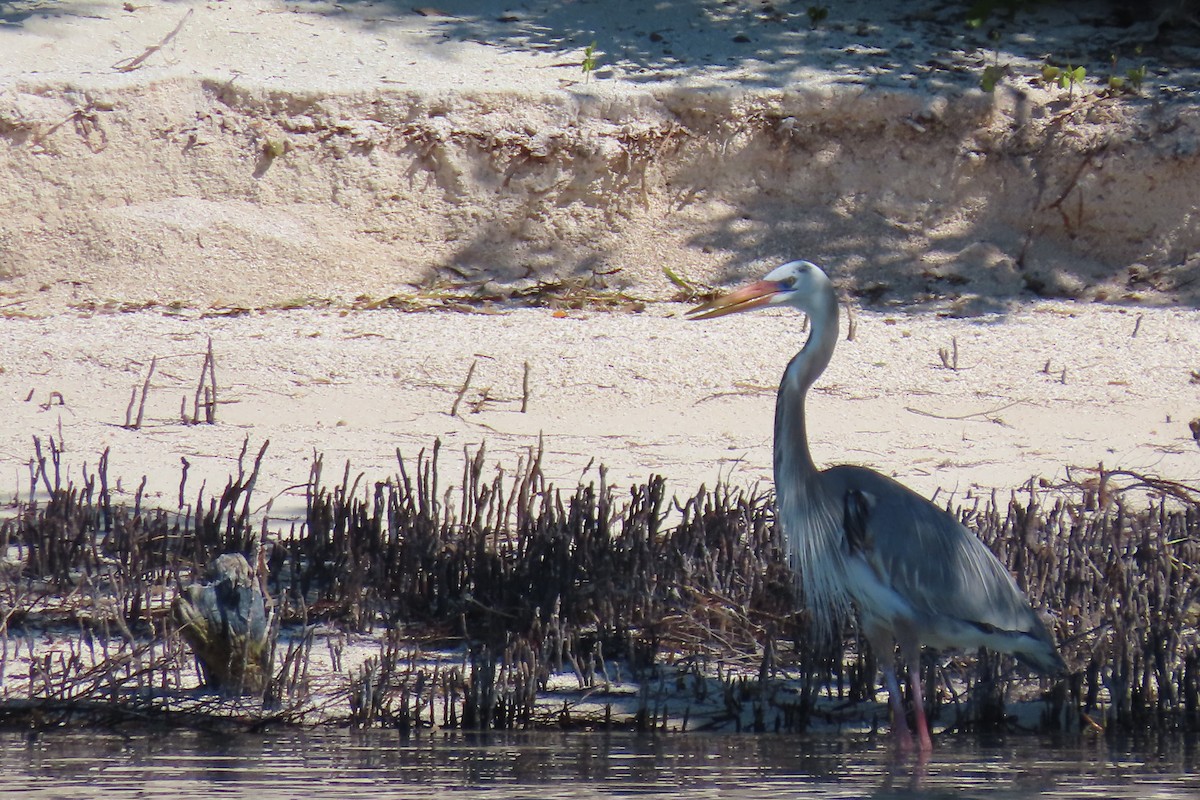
(337, 763)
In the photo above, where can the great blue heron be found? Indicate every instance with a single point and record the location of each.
(916, 576)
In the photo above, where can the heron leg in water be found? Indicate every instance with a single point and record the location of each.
(910, 652)
(914, 680)
(882, 645)
(896, 701)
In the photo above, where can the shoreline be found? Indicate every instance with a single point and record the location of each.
(635, 624)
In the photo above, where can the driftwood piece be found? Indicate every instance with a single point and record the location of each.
(225, 623)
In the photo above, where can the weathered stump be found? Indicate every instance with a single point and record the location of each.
(225, 623)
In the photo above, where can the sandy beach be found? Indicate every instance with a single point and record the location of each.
(642, 393)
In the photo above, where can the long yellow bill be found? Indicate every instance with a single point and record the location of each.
(747, 298)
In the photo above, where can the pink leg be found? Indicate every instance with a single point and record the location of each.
(914, 681)
(910, 651)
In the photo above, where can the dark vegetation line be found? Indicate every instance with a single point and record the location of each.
(529, 581)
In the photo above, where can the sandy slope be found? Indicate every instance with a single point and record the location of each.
(272, 153)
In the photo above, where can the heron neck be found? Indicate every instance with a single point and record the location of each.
(792, 457)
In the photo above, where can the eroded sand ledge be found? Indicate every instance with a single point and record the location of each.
(273, 154)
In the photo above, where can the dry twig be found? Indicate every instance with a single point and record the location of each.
(130, 64)
(466, 384)
(137, 424)
(989, 415)
(525, 389)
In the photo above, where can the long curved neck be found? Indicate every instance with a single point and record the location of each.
(792, 457)
(811, 516)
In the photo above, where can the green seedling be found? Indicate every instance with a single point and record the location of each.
(1136, 76)
(589, 61)
(817, 15)
(1066, 79)
(992, 74)
(1069, 77)
(1131, 81)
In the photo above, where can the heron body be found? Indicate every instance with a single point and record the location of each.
(860, 540)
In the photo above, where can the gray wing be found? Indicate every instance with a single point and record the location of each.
(926, 555)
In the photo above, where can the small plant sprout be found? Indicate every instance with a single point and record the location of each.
(589, 61)
(1130, 82)
(992, 74)
(1115, 82)
(1068, 78)
(817, 15)
(994, 71)
(1136, 76)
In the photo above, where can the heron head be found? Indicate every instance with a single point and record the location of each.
(794, 283)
